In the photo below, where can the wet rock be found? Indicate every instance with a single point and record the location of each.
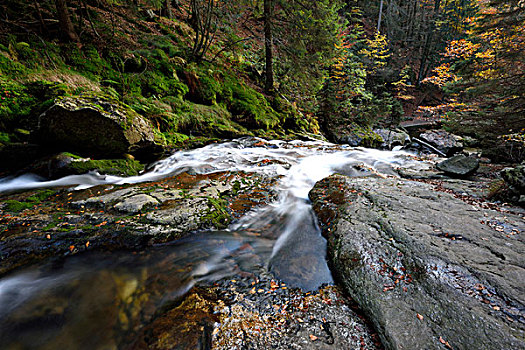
(353, 135)
(94, 126)
(184, 216)
(16, 156)
(65, 164)
(443, 141)
(351, 140)
(269, 315)
(187, 326)
(39, 224)
(426, 267)
(135, 204)
(515, 178)
(57, 165)
(392, 138)
(459, 165)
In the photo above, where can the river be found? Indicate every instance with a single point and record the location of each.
(70, 302)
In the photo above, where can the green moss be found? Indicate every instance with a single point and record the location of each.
(218, 103)
(11, 68)
(17, 206)
(87, 61)
(158, 84)
(174, 138)
(368, 136)
(15, 103)
(19, 101)
(213, 121)
(71, 155)
(251, 109)
(120, 167)
(217, 213)
(40, 196)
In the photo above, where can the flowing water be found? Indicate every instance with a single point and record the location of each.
(82, 299)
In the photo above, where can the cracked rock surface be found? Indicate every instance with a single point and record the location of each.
(430, 270)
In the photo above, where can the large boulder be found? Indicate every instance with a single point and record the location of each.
(356, 136)
(443, 141)
(459, 165)
(429, 270)
(392, 138)
(94, 126)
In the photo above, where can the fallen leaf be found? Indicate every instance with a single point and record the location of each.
(442, 341)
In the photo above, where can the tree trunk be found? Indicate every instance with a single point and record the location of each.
(380, 15)
(423, 69)
(68, 31)
(268, 45)
(168, 7)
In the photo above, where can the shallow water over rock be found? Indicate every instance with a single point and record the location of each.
(99, 298)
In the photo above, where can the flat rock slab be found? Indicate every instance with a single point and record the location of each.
(105, 217)
(430, 271)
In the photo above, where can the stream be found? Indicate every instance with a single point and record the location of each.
(71, 302)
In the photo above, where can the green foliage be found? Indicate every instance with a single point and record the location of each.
(149, 72)
(10, 68)
(15, 103)
(212, 121)
(86, 61)
(174, 138)
(303, 57)
(21, 102)
(4, 137)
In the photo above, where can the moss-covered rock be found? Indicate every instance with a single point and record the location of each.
(357, 135)
(94, 125)
(119, 167)
(16, 206)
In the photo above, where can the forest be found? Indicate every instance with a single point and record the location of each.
(272, 67)
(262, 174)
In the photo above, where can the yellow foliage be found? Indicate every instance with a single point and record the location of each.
(442, 75)
(377, 50)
